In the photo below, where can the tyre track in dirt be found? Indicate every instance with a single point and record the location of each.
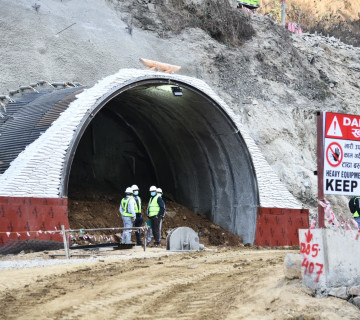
(228, 284)
(144, 290)
(127, 298)
(98, 290)
(211, 296)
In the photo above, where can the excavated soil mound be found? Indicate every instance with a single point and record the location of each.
(103, 212)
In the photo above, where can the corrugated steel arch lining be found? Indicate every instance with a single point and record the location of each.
(28, 116)
(122, 88)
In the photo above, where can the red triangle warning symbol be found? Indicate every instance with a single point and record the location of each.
(335, 130)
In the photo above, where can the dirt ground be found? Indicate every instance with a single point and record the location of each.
(102, 212)
(222, 283)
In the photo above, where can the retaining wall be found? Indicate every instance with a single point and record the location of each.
(23, 218)
(279, 226)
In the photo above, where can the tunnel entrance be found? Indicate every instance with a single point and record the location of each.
(149, 133)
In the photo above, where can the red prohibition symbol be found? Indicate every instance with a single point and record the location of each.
(334, 154)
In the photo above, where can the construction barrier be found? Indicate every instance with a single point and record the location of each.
(279, 227)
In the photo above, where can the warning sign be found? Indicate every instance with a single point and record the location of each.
(334, 154)
(342, 126)
(334, 130)
(342, 154)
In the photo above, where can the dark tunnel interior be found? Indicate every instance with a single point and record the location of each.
(187, 145)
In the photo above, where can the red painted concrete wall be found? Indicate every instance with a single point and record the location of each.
(279, 226)
(29, 215)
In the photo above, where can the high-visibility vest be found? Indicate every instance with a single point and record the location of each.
(356, 214)
(154, 207)
(250, 2)
(124, 204)
(137, 205)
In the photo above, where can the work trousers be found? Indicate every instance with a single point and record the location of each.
(126, 236)
(357, 219)
(138, 223)
(155, 225)
(149, 236)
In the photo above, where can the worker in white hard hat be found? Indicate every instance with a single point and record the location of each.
(148, 223)
(127, 211)
(155, 212)
(159, 192)
(139, 219)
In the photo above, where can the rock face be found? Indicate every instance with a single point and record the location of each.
(275, 80)
(354, 291)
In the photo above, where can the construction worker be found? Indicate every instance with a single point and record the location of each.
(354, 205)
(148, 223)
(139, 219)
(155, 212)
(250, 4)
(127, 211)
(159, 192)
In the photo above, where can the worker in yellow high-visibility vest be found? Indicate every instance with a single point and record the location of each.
(155, 212)
(356, 209)
(160, 192)
(127, 211)
(139, 219)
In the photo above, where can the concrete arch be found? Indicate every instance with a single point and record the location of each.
(214, 153)
(198, 167)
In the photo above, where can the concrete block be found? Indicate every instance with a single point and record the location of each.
(182, 238)
(340, 292)
(292, 266)
(330, 258)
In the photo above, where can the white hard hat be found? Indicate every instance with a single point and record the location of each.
(129, 190)
(159, 190)
(135, 187)
(152, 188)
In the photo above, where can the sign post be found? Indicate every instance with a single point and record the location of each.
(320, 166)
(283, 13)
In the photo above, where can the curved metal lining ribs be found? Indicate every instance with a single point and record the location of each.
(201, 149)
(28, 117)
(197, 148)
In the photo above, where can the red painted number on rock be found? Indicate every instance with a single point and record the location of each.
(306, 248)
(315, 249)
(310, 266)
(321, 266)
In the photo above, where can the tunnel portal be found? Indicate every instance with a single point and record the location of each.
(146, 128)
(171, 135)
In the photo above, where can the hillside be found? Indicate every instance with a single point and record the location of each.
(274, 79)
(339, 18)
